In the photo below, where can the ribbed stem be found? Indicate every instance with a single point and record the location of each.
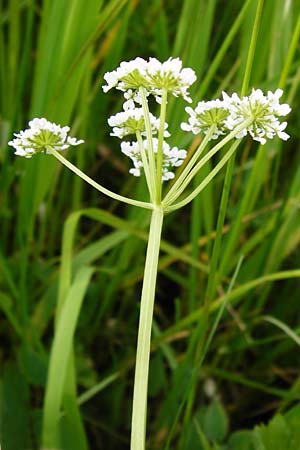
(139, 409)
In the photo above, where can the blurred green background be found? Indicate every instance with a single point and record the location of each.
(54, 227)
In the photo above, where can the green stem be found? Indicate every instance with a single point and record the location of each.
(201, 163)
(97, 186)
(169, 196)
(148, 129)
(159, 156)
(290, 55)
(252, 47)
(145, 165)
(139, 409)
(211, 285)
(206, 180)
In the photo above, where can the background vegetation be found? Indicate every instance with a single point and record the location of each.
(60, 239)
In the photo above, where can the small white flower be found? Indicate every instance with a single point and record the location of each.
(172, 157)
(170, 75)
(39, 136)
(206, 115)
(152, 75)
(129, 75)
(132, 97)
(264, 111)
(132, 120)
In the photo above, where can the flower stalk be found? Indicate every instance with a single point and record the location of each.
(139, 409)
(159, 157)
(95, 185)
(169, 197)
(206, 180)
(151, 155)
(145, 162)
(188, 178)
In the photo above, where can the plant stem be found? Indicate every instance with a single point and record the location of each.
(97, 186)
(206, 180)
(139, 409)
(211, 284)
(203, 161)
(159, 156)
(169, 196)
(252, 47)
(145, 165)
(151, 156)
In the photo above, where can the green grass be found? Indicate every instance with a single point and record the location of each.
(72, 260)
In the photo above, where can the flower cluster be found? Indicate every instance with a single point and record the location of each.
(258, 112)
(264, 111)
(154, 76)
(172, 157)
(131, 121)
(257, 115)
(40, 135)
(205, 116)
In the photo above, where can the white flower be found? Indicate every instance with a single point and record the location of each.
(206, 115)
(132, 97)
(130, 75)
(264, 111)
(172, 157)
(132, 120)
(170, 75)
(39, 136)
(153, 75)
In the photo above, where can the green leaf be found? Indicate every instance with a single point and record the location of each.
(241, 440)
(60, 354)
(281, 433)
(215, 421)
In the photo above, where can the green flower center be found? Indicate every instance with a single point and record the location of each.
(134, 80)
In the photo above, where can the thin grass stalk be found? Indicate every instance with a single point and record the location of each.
(195, 232)
(252, 47)
(290, 55)
(211, 287)
(139, 408)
